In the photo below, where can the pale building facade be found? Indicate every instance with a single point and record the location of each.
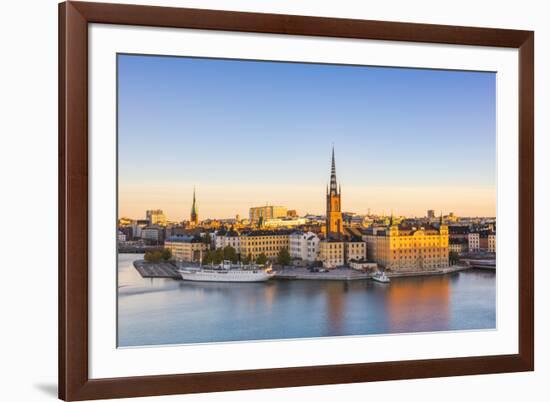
(473, 242)
(492, 239)
(304, 246)
(228, 239)
(185, 248)
(355, 250)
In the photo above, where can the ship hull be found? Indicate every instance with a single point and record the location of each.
(227, 276)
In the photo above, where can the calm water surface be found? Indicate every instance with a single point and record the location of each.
(166, 311)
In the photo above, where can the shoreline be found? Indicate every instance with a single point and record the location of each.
(167, 269)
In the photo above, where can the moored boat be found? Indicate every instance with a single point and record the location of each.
(380, 277)
(227, 272)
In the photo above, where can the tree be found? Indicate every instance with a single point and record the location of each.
(166, 254)
(217, 258)
(453, 257)
(283, 258)
(247, 259)
(229, 253)
(261, 259)
(153, 256)
(208, 257)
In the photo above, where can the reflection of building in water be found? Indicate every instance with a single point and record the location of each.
(419, 305)
(336, 293)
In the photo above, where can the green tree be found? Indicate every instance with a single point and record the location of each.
(261, 259)
(453, 257)
(283, 258)
(153, 256)
(217, 258)
(208, 257)
(166, 254)
(229, 253)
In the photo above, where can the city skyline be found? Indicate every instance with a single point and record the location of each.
(406, 140)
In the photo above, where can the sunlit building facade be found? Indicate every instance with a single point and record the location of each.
(331, 253)
(409, 248)
(262, 214)
(264, 241)
(155, 217)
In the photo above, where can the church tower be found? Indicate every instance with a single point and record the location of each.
(335, 225)
(194, 214)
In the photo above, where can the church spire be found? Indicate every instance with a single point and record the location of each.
(333, 185)
(194, 214)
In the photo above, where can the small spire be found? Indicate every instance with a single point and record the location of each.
(441, 218)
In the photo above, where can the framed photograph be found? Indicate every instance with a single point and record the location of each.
(260, 200)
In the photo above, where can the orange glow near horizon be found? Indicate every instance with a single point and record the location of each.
(226, 201)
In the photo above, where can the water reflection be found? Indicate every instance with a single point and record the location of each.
(418, 304)
(166, 311)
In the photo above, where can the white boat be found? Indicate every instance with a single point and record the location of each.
(227, 272)
(380, 277)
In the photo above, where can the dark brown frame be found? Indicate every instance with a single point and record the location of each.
(74, 17)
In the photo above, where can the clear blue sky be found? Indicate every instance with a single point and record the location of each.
(230, 127)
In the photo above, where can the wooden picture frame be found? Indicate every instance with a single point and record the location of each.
(74, 381)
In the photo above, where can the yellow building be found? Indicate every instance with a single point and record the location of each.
(186, 248)
(266, 212)
(264, 241)
(331, 253)
(156, 217)
(409, 248)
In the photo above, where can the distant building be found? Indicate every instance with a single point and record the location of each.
(121, 236)
(492, 243)
(231, 238)
(331, 253)
(155, 217)
(267, 242)
(291, 213)
(430, 214)
(304, 245)
(458, 245)
(262, 214)
(355, 250)
(186, 248)
(409, 248)
(362, 265)
(284, 223)
(153, 234)
(473, 242)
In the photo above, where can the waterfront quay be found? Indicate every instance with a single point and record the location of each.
(166, 269)
(156, 269)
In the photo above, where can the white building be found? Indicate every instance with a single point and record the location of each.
(121, 236)
(492, 241)
(224, 239)
(304, 246)
(153, 234)
(473, 242)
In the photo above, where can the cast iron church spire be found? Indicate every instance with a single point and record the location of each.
(194, 213)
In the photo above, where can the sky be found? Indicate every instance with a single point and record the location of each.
(250, 133)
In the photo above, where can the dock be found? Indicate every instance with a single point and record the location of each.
(336, 274)
(161, 269)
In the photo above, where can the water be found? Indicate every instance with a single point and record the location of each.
(166, 311)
